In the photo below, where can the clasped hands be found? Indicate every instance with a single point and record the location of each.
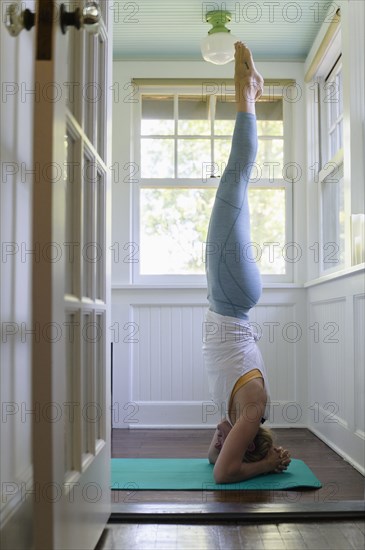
(279, 459)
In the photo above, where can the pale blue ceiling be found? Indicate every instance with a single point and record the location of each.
(278, 30)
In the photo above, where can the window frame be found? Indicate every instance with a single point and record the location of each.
(325, 140)
(329, 165)
(200, 280)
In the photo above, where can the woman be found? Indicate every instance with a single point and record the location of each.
(241, 448)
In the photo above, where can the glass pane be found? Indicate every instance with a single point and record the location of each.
(193, 156)
(174, 225)
(225, 106)
(333, 215)
(71, 89)
(270, 128)
(88, 248)
(225, 116)
(100, 236)
(269, 160)
(222, 148)
(193, 115)
(100, 380)
(173, 229)
(86, 383)
(70, 229)
(267, 216)
(223, 127)
(101, 99)
(157, 127)
(157, 115)
(90, 91)
(194, 127)
(157, 158)
(70, 417)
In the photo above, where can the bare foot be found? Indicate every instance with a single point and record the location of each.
(248, 81)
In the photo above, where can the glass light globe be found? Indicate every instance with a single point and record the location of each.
(218, 48)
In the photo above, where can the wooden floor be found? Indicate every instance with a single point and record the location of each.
(340, 481)
(292, 536)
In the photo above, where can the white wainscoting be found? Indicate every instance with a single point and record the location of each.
(336, 365)
(158, 372)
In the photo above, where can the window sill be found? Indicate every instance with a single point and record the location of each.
(336, 275)
(194, 286)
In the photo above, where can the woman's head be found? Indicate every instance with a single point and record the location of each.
(260, 446)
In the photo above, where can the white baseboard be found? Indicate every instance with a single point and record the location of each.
(339, 450)
(199, 414)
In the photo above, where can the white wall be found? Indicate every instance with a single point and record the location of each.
(336, 305)
(336, 364)
(16, 120)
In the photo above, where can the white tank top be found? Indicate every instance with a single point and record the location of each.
(230, 351)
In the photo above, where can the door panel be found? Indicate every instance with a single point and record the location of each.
(16, 159)
(71, 367)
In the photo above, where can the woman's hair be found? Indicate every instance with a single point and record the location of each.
(260, 446)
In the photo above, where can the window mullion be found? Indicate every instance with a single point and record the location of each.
(213, 101)
(176, 128)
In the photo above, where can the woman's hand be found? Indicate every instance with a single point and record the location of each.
(223, 430)
(278, 459)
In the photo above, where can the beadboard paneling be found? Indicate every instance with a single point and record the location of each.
(327, 354)
(359, 363)
(160, 375)
(336, 365)
(167, 364)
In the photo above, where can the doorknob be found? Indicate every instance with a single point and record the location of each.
(15, 22)
(88, 18)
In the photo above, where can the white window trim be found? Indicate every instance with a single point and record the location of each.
(326, 167)
(335, 166)
(189, 280)
(329, 166)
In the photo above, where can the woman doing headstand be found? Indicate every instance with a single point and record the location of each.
(240, 448)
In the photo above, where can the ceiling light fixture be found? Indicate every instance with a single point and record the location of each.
(218, 46)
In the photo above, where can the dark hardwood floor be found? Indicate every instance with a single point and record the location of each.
(340, 481)
(342, 535)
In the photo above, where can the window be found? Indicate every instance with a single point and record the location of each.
(331, 174)
(183, 140)
(332, 118)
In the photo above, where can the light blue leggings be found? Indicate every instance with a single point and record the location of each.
(234, 281)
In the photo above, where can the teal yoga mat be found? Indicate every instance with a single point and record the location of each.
(185, 474)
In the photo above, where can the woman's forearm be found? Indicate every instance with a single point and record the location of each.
(213, 451)
(245, 471)
(213, 454)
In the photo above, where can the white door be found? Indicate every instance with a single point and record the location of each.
(71, 217)
(16, 157)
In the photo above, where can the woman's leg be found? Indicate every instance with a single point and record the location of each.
(234, 282)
